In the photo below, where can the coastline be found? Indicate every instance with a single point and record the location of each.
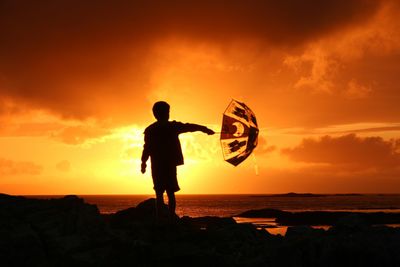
(70, 232)
(231, 205)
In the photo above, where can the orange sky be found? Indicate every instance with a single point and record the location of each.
(78, 80)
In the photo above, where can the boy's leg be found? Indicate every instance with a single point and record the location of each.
(171, 203)
(159, 203)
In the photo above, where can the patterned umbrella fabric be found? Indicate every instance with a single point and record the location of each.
(239, 134)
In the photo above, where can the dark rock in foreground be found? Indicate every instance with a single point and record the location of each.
(50, 232)
(263, 213)
(69, 232)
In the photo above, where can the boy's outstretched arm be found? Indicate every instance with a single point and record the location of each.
(209, 131)
(191, 127)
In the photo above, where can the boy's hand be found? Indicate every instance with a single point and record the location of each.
(209, 131)
(143, 168)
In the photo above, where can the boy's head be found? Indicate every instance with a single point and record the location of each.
(161, 111)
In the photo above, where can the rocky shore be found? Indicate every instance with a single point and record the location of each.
(70, 232)
(323, 217)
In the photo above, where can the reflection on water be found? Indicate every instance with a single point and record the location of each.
(267, 224)
(261, 222)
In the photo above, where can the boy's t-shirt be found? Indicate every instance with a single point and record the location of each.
(162, 142)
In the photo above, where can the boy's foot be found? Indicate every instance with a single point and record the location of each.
(173, 218)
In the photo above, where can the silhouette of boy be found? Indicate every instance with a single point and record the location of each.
(161, 144)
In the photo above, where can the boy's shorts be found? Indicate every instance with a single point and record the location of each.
(165, 178)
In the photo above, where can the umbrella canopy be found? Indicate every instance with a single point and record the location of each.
(239, 134)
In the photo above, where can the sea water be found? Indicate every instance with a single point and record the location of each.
(232, 205)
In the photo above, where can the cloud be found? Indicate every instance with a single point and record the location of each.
(63, 166)
(321, 71)
(344, 164)
(130, 153)
(347, 152)
(81, 59)
(29, 129)
(355, 90)
(374, 129)
(361, 128)
(349, 76)
(11, 168)
(263, 148)
(75, 135)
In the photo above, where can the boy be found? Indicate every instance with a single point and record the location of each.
(162, 145)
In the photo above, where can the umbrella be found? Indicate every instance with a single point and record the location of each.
(239, 134)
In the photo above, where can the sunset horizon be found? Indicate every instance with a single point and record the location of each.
(78, 81)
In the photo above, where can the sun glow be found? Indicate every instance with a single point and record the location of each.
(322, 89)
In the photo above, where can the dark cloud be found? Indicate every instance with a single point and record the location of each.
(83, 22)
(348, 151)
(343, 164)
(11, 168)
(91, 58)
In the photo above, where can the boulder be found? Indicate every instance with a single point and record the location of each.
(39, 232)
(207, 222)
(144, 212)
(70, 232)
(262, 213)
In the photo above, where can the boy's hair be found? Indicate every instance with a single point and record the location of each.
(161, 110)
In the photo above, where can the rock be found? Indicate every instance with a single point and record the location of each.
(262, 213)
(244, 232)
(144, 212)
(50, 230)
(208, 222)
(70, 232)
(351, 222)
(320, 217)
(301, 231)
(20, 245)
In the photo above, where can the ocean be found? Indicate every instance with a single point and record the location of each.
(232, 205)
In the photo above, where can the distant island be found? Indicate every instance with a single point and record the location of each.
(69, 232)
(292, 194)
